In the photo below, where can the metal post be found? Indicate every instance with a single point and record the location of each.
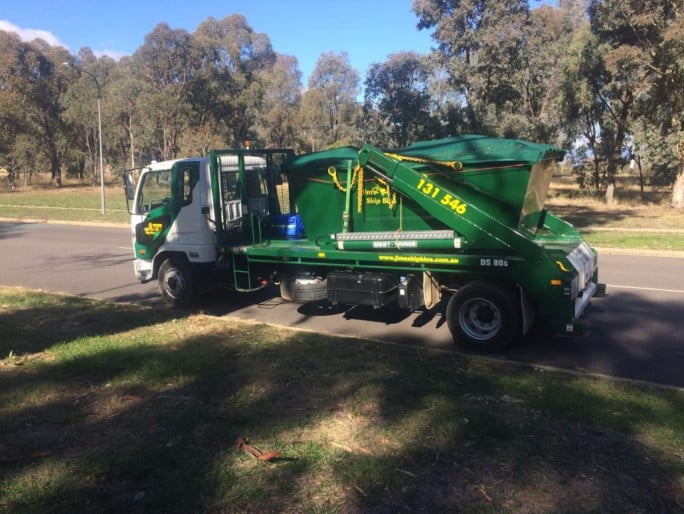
(99, 131)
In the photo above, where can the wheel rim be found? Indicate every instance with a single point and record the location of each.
(174, 283)
(480, 319)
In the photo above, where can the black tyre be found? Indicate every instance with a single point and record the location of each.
(176, 282)
(484, 316)
(303, 289)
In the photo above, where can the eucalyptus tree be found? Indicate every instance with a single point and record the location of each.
(575, 11)
(621, 66)
(229, 92)
(659, 132)
(12, 124)
(39, 83)
(88, 84)
(331, 100)
(168, 62)
(398, 90)
(582, 108)
(537, 114)
(480, 47)
(313, 121)
(282, 99)
(129, 136)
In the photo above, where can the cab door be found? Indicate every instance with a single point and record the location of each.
(168, 201)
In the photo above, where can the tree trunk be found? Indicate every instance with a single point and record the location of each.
(610, 192)
(55, 165)
(678, 191)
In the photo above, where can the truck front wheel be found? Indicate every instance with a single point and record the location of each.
(176, 282)
(484, 316)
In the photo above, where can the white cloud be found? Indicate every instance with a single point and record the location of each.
(112, 54)
(51, 39)
(31, 34)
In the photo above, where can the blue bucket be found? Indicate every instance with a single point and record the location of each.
(288, 225)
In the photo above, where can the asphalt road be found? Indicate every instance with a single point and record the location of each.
(634, 332)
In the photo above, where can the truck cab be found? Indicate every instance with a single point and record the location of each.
(186, 212)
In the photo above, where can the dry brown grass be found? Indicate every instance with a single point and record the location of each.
(631, 209)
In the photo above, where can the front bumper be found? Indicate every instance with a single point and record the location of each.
(144, 270)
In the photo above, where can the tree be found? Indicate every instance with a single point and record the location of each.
(38, 83)
(229, 93)
(621, 66)
(582, 108)
(168, 62)
(281, 101)
(480, 46)
(538, 114)
(12, 124)
(620, 76)
(128, 134)
(575, 11)
(398, 91)
(313, 120)
(333, 92)
(660, 111)
(88, 83)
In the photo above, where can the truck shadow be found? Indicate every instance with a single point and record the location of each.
(388, 315)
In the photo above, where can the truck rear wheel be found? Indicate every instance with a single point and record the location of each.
(176, 283)
(484, 316)
(303, 289)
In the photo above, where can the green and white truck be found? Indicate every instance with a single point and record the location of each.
(460, 219)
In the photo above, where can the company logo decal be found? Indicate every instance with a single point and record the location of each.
(153, 229)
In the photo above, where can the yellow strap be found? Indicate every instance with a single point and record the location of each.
(454, 165)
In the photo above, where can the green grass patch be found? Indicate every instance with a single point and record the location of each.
(68, 203)
(82, 203)
(113, 408)
(636, 240)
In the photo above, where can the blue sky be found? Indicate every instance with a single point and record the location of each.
(368, 30)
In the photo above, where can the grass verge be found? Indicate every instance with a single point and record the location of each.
(113, 408)
(70, 203)
(631, 226)
(635, 240)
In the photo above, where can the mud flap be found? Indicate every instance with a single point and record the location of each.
(527, 311)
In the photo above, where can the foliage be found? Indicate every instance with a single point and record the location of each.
(330, 103)
(618, 71)
(276, 127)
(607, 73)
(481, 48)
(398, 91)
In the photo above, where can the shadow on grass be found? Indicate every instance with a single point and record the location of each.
(146, 420)
(582, 216)
(40, 321)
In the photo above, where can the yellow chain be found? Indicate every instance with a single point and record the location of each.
(333, 173)
(391, 198)
(357, 178)
(454, 165)
(358, 171)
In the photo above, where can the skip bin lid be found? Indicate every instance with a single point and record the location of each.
(476, 149)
